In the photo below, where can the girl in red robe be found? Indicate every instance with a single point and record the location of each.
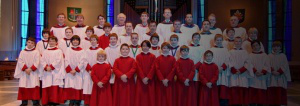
(145, 89)
(208, 74)
(101, 71)
(124, 86)
(165, 71)
(185, 71)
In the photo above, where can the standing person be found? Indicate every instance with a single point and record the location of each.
(99, 29)
(59, 29)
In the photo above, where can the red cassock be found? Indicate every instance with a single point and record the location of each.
(101, 96)
(103, 41)
(124, 92)
(186, 95)
(145, 94)
(165, 69)
(208, 96)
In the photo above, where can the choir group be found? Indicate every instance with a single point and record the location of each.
(169, 64)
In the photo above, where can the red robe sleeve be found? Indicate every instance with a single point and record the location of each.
(94, 76)
(131, 72)
(243, 69)
(179, 73)
(171, 75)
(33, 68)
(152, 70)
(68, 69)
(24, 67)
(198, 65)
(88, 67)
(139, 70)
(77, 69)
(158, 72)
(216, 75)
(106, 78)
(192, 73)
(116, 70)
(202, 78)
(280, 71)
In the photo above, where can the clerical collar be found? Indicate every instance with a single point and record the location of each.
(126, 34)
(177, 31)
(60, 25)
(100, 62)
(258, 52)
(189, 25)
(45, 40)
(213, 28)
(206, 33)
(174, 47)
(155, 47)
(230, 40)
(87, 38)
(193, 44)
(167, 22)
(31, 49)
(113, 46)
(144, 25)
(106, 34)
(216, 46)
(67, 39)
(118, 25)
(80, 26)
(52, 48)
(100, 27)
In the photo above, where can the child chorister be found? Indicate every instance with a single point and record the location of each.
(277, 87)
(253, 34)
(208, 75)
(124, 86)
(59, 29)
(103, 40)
(165, 71)
(145, 87)
(142, 28)
(80, 28)
(174, 50)
(155, 49)
(189, 28)
(134, 48)
(52, 74)
(239, 31)
(43, 44)
(229, 39)
(28, 74)
(113, 52)
(85, 43)
(185, 86)
(65, 43)
(240, 72)
(74, 63)
(99, 28)
(261, 69)
(213, 21)
(165, 27)
(207, 37)
(221, 59)
(91, 55)
(101, 72)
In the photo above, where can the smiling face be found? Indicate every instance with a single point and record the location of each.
(208, 57)
(101, 20)
(145, 48)
(80, 20)
(144, 18)
(165, 50)
(196, 39)
(61, 19)
(152, 27)
(124, 50)
(101, 57)
(134, 39)
(94, 42)
(107, 30)
(154, 41)
(177, 25)
(205, 26)
(230, 34)
(174, 41)
(128, 27)
(89, 33)
(219, 41)
(276, 49)
(113, 41)
(212, 20)
(30, 44)
(45, 35)
(238, 42)
(52, 43)
(252, 35)
(69, 33)
(184, 53)
(234, 21)
(256, 47)
(121, 18)
(189, 19)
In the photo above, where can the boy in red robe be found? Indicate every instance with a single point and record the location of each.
(208, 74)
(165, 71)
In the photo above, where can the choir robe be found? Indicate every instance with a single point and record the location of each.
(52, 82)
(42, 46)
(124, 92)
(29, 85)
(101, 72)
(175, 52)
(189, 30)
(80, 31)
(64, 44)
(119, 30)
(239, 31)
(112, 53)
(207, 40)
(91, 58)
(258, 84)
(98, 30)
(208, 72)
(221, 59)
(196, 54)
(147, 36)
(163, 29)
(229, 44)
(239, 60)
(277, 85)
(183, 39)
(58, 31)
(215, 30)
(165, 69)
(141, 30)
(145, 94)
(124, 39)
(134, 51)
(247, 46)
(85, 43)
(155, 50)
(185, 95)
(103, 41)
(75, 60)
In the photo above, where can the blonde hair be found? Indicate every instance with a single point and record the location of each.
(102, 52)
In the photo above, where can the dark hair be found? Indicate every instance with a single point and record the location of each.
(145, 13)
(75, 37)
(229, 29)
(196, 33)
(53, 38)
(30, 39)
(147, 43)
(100, 15)
(124, 44)
(165, 44)
(176, 21)
(155, 35)
(208, 51)
(46, 31)
(152, 21)
(255, 41)
(184, 48)
(204, 21)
